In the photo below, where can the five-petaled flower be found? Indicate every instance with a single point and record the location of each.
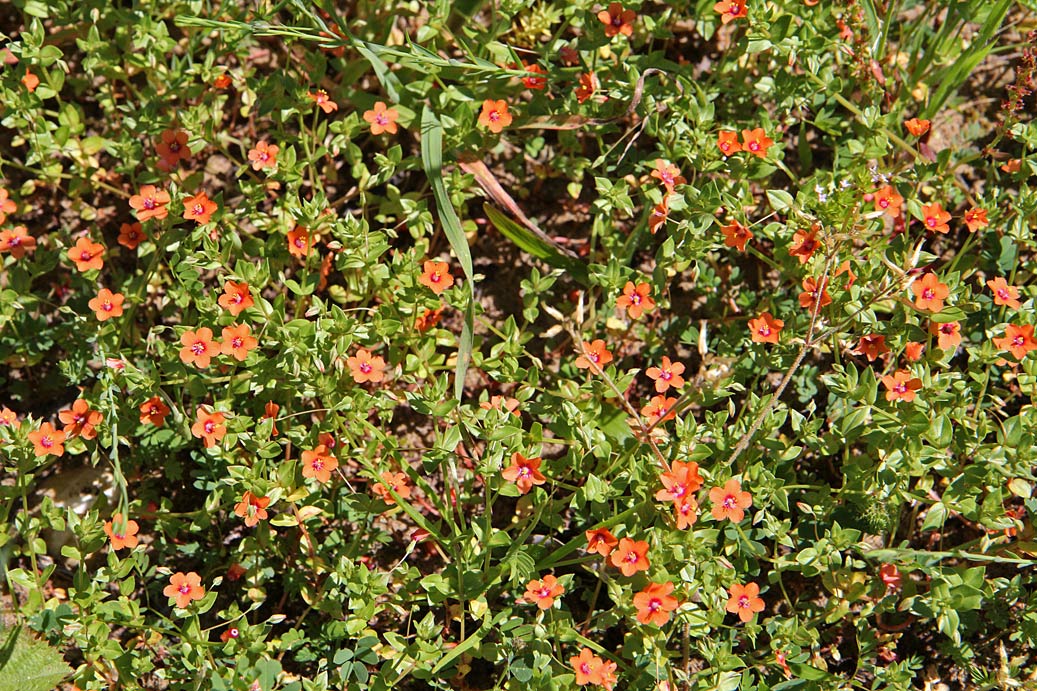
(199, 208)
(727, 142)
(935, 218)
(1004, 294)
(594, 356)
(106, 305)
(397, 482)
(736, 235)
(153, 412)
(131, 235)
(657, 217)
(30, 81)
(7, 205)
(543, 592)
(47, 440)
(121, 533)
(436, 275)
(209, 426)
(814, 296)
(494, 116)
(17, 241)
(630, 556)
(319, 463)
(930, 293)
(299, 242)
(917, 127)
(667, 374)
(756, 142)
(636, 300)
(252, 508)
(238, 341)
(617, 20)
(184, 588)
(236, 298)
(198, 347)
(150, 203)
(87, 254)
(680, 482)
(730, 10)
(659, 409)
(324, 102)
(948, 334)
(730, 501)
(263, 155)
(765, 328)
(655, 602)
(171, 149)
(80, 420)
(601, 540)
(888, 200)
(872, 346)
(745, 601)
(524, 472)
(537, 77)
(366, 367)
(913, 351)
(901, 386)
(591, 669)
(1018, 340)
(587, 85)
(976, 219)
(668, 174)
(382, 119)
(804, 244)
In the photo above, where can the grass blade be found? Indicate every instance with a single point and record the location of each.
(530, 242)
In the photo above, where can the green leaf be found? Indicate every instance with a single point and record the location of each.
(530, 242)
(27, 664)
(780, 199)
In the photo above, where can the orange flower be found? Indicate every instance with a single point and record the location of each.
(209, 427)
(630, 556)
(270, 411)
(502, 403)
(887, 199)
(324, 102)
(299, 242)
(1013, 165)
(588, 85)
(745, 601)
(198, 347)
(121, 533)
(804, 244)
(252, 508)
(601, 540)
(263, 155)
(935, 218)
(766, 329)
(17, 241)
(948, 334)
(588, 667)
(47, 440)
(536, 79)
(636, 300)
(730, 10)
(524, 472)
(383, 119)
(976, 219)
(658, 215)
(655, 603)
(929, 293)
(172, 148)
(366, 367)
(236, 298)
(31, 81)
(872, 346)
(131, 235)
(730, 501)
(917, 127)
(727, 142)
(901, 386)
(436, 275)
(659, 409)
(8, 418)
(913, 351)
(844, 268)
(106, 305)
(617, 20)
(756, 141)
(184, 588)
(150, 203)
(686, 513)
(814, 297)
(594, 356)
(238, 341)
(1018, 340)
(668, 174)
(87, 254)
(428, 319)
(543, 592)
(736, 235)
(494, 115)
(318, 464)
(1004, 294)
(80, 420)
(199, 208)
(680, 482)
(7, 205)
(667, 374)
(153, 412)
(221, 81)
(397, 482)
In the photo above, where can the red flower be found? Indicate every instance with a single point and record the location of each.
(184, 588)
(730, 10)
(494, 116)
(208, 426)
(270, 411)
(766, 329)
(591, 669)
(382, 119)
(872, 346)
(976, 219)
(745, 601)
(686, 513)
(47, 440)
(727, 142)
(736, 235)
(428, 319)
(252, 508)
(198, 347)
(935, 218)
(263, 155)
(901, 386)
(1018, 340)
(667, 374)
(366, 367)
(87, 254)
(436, 275)
(150, 203)
(501, 403)
(397, 482)
(236, 298)
(524, 472)
(17, 241)
(153, 412)
(655, 603)
(324, 102)
(889, 574)
(659, 409)
(31, 81)
(913, 351)
(617, 20)
(543, 592)
(917, 127)
(601, 540)
(121, 533)
(813, 296)
(131, 235)
(668, 174)
(199, 208)
(658, 215)
(636, 300)
(588, 85)
(630, 556)
(887, 200)
(948, 334)
(536, 79)
(106, 305)
(680, 482)
(756, 141)
(80, 420)
(7, 205)
(929, 293)
(730, 501)
(1004, 294)
(238, 341)
(804, 244)
(594, 356)
(318, 464)
(172, 148)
